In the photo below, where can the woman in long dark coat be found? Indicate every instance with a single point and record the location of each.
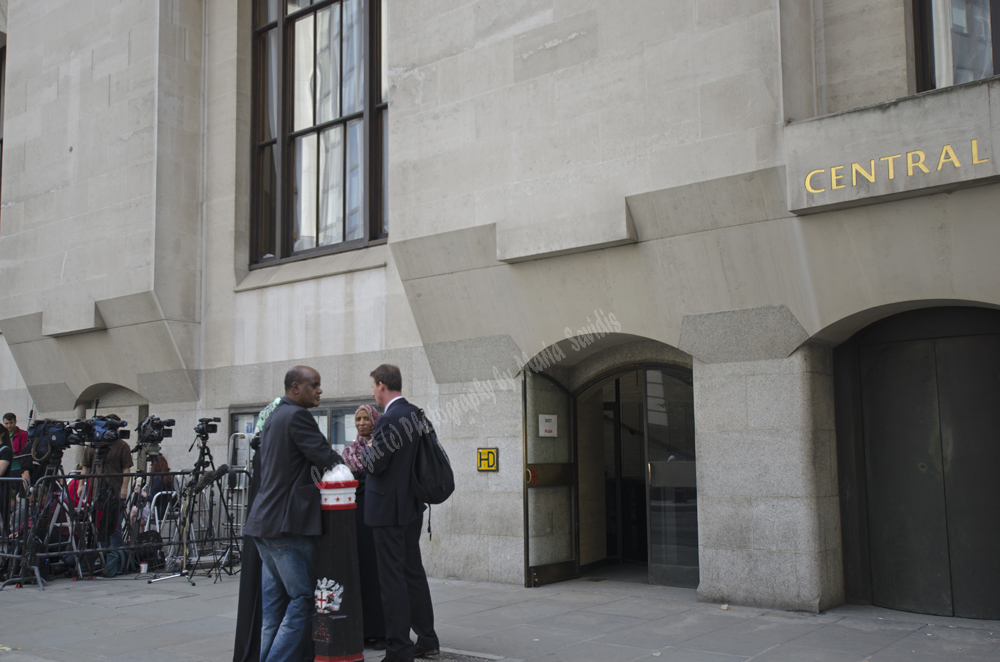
(249, 618)
(371, 591)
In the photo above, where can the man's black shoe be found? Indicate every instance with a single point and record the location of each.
(421, 651)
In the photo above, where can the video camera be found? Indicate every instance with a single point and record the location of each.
(206, 426)
(154, 429)
(48, 436)
(149, 435)
(98, 431)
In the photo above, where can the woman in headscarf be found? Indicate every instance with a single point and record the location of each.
(371, 591)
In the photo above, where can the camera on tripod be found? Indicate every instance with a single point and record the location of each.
(149, 435)
(154, 429)
(206, 426)
(48, 437)
(99, 431)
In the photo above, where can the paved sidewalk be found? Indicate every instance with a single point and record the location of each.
(579, 621)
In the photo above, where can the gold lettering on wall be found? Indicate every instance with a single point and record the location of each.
(916, 160)
(912, 163)
(834, 177)
(856, 168)
(889, 159)
(809, 181)
(975, 153)
(948, 156)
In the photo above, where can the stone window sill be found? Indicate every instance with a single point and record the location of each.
(372, 257)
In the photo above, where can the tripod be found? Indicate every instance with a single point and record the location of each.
(203, 475)
(98, 493)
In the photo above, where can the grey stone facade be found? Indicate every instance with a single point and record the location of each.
(550, 161)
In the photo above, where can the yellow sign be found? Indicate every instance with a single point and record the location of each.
(489, 459)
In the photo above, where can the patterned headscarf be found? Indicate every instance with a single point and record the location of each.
(264, 413)
(352, 454)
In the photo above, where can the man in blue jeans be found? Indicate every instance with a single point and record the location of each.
(285, 518)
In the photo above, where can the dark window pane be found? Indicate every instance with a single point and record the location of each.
(331, 186)
(304, 193)
(384, 49)
(302, 67)
(384, 120)
(268, 201)
(355, 180)
(354, 56)
(267, 11)
(268, 103)
(328, 64)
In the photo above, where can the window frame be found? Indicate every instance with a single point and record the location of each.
(374, 109)
(326, 406)
(923, 41)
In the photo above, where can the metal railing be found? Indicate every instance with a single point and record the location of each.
(74, 522)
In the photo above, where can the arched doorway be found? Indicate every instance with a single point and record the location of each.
(610, 476)
(918, 421)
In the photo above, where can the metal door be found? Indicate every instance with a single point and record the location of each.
(932, 444)
(550, 483)
(968, 371)
(907, 522)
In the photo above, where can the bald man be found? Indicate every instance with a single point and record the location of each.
(285, 518)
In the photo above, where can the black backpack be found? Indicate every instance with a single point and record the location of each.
(432, 478)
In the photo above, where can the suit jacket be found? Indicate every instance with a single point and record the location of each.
(389, 499)
(288, 502)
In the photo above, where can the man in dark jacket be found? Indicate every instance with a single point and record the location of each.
(285, 518)
(396, 517)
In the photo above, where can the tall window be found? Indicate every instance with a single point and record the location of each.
(958, 41)
(3, 95)
(319, 127)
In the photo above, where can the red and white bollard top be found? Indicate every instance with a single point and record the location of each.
(338, 489)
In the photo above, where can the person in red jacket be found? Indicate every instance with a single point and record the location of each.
(19, 440)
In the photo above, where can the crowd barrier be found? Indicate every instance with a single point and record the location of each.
(74, 525)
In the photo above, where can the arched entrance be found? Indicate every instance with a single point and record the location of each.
(610, 476)
(918, 420)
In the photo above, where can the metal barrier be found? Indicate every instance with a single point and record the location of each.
(15, 515)
(75, 521)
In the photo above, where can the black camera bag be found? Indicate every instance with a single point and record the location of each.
(150, 546)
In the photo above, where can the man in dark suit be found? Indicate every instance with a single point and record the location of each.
(396, 517)
(285, 518)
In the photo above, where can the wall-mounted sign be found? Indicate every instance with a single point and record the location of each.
(920, 145)
(489, 459)
(548, 425)
(913, 163)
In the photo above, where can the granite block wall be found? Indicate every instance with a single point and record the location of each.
(768, 514)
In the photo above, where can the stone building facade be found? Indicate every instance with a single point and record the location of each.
(684, 217)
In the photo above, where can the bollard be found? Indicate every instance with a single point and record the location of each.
(338, 631)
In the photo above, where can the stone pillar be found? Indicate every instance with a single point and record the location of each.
(768, 510)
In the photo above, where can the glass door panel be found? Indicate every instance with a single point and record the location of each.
(672, 505)
(550, 483)
(635, 538)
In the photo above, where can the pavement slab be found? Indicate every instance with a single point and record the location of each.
(577, 621)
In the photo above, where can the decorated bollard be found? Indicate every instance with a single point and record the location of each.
(337, 629)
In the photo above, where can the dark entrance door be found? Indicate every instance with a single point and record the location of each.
(931, 430)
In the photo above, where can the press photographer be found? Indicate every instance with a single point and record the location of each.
(106, 452)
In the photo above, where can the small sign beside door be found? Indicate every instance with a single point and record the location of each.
(489, 459)
(548, 425)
